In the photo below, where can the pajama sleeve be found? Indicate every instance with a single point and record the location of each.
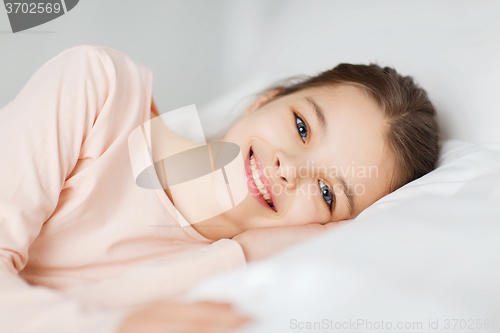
(162, 279)
(41, 133)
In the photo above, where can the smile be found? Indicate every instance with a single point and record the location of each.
(259, 185)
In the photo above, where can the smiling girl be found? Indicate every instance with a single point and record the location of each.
(73, 218)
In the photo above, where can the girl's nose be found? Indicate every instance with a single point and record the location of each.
(279, 170)
(285, 171)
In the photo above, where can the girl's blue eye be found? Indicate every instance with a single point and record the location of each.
(301, 128)
(325, 190)
(327, 194)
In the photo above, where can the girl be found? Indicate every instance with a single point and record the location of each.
(317, 152)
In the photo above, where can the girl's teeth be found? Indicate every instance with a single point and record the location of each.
(258, 182)
(260, 185)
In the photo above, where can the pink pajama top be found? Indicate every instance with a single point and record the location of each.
(79, 240)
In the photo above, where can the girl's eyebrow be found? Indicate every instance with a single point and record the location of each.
(320, 114)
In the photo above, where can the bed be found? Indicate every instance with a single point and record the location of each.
(425, 257)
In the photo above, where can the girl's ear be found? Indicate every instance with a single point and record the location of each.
(260, 101)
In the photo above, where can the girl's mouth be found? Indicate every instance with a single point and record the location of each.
(257, 182)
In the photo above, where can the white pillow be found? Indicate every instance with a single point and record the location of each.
(459, 164)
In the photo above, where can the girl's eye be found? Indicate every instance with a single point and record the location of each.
(327, 194)
(301, 128)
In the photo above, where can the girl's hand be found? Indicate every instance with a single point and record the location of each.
(262, 242)
(201, 317)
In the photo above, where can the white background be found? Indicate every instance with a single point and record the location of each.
(199, 50)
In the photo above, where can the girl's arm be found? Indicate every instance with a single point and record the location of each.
(41, 134)
(262, 242)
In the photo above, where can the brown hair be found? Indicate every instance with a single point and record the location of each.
(412, 132)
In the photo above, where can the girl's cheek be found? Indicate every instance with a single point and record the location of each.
(303, 211)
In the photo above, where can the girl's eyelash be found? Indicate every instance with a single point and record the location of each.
(326, 191)
(301, 127)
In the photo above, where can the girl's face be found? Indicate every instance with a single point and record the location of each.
(314, 156)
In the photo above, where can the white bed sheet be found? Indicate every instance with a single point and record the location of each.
(428, 251)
